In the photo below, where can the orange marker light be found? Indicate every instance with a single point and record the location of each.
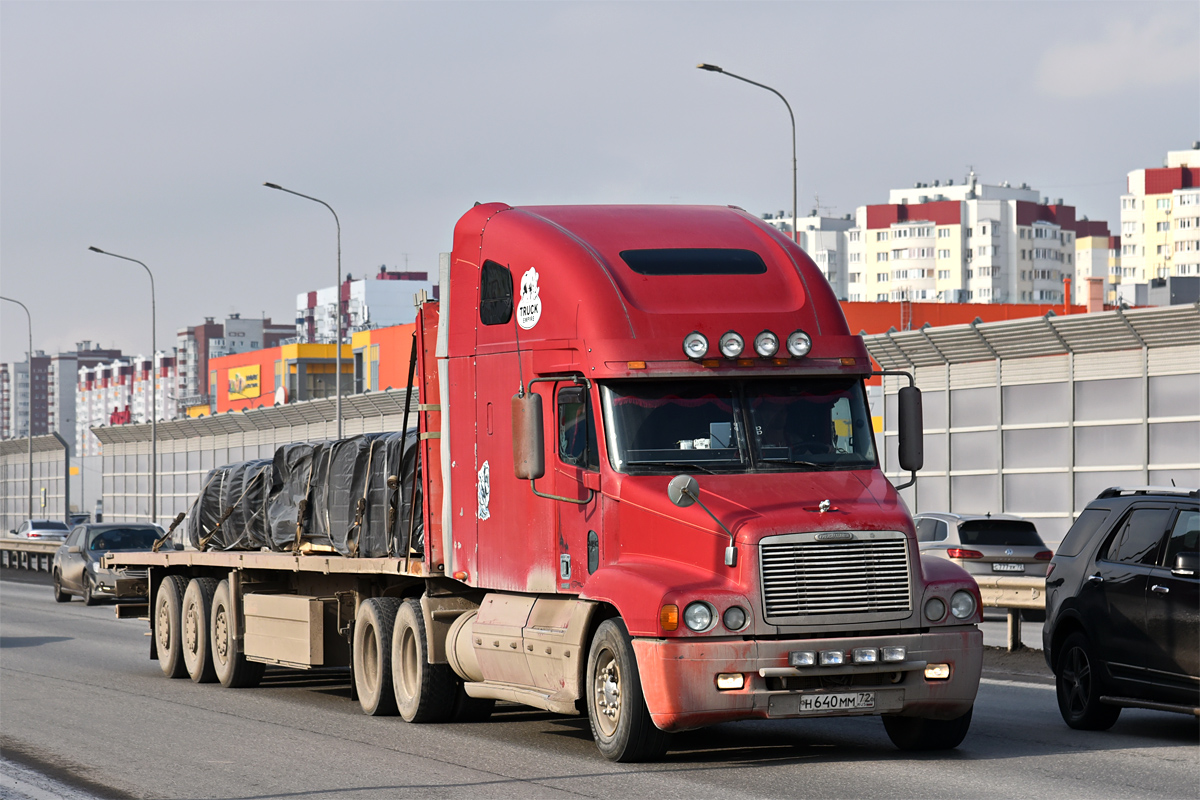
(636, 364)
(780, 362)
(745, 362)
(848, 362)
(710, 362)
(669, 617)
(461, 575)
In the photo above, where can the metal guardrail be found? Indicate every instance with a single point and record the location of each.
(1013, 594)
(34, 556)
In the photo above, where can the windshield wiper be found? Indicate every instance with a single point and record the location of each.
(676, 464)
(789, 462)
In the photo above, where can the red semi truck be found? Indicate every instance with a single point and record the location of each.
(650, 494)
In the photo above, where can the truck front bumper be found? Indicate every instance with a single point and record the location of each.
(679, 678)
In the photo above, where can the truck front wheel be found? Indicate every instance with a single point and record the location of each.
(918, 733)
(621, 723)
(232, 668)
(424, 692)
(373, 655)
(168, 616)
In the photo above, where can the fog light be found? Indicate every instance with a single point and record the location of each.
(695, 345)
(935, 609)
(894, 655)
(732, 344)
(962, 604)
(937, 672)
(734, 618)
(798, 344)
(802, 658)
(865, 655)
(766, 344)
(731, 680)
(832, 658)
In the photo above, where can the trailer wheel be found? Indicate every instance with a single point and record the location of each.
(373, 655)
(59, 595)
(231, 666)
(621, 723)
(168, 615)
(917, 733)
(197, 610)
(424, 692)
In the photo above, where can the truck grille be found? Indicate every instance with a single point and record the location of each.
(802, 577)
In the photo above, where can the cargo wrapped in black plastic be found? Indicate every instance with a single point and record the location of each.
(231, 512)
(289, 503)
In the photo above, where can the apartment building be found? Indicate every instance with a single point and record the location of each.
(44, 388)
(378, 301)
(196, 344)
(1160, 219)
(120, 392)
(826, 240)
(965, 243)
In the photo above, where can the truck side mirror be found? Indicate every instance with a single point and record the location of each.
(529, 449)
(911, 454)
(683, 490)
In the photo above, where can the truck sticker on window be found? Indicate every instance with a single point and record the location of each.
(529, 310)
(484, 491)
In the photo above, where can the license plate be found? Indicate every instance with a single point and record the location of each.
(1002, 567)
(810, 703)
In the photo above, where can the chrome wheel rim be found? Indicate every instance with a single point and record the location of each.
(607, 691)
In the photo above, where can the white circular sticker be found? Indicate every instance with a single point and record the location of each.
(529, 309)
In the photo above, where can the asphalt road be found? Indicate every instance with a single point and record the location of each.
(85, 713)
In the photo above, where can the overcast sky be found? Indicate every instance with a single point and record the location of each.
(148, 129)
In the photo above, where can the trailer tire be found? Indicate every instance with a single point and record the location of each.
(424, 692)
(59, 595)
(620, 721)
(197, 611)
(230, 664)
(918, 733)
(168, 616)
(373, 655)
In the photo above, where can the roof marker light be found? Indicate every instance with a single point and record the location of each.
(799, 343)
(732, 344)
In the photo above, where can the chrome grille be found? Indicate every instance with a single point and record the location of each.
(808, 578)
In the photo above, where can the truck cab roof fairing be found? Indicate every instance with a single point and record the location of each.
(589, 292)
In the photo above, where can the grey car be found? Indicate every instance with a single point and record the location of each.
(984, 544)
(42, 530)
(78, 567)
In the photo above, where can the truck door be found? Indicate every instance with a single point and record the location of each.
(576, 469)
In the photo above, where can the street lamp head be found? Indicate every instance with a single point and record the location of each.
(96, 250)
(273, 186)
(709, 67)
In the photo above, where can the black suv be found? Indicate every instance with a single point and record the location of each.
(1123, 607)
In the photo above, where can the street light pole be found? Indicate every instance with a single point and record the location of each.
(715, 68)
(29, 405)
(337, 358)
(153, 385)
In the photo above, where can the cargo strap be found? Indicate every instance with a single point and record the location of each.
(361, 510)
(302, 509)
(204, 540)
(178, 519)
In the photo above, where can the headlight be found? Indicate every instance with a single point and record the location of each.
(95, 565)
(962, 604)
(732, 344)
(734, 618)
(766, 344)
(935, 609)
(695, 345)
(798, 344)
(698, 617)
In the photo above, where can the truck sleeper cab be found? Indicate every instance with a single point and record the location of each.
(650, 494)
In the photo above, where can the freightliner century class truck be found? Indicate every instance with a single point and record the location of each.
(648, 492)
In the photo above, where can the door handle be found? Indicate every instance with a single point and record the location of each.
(1097, 578)
(1159, 589)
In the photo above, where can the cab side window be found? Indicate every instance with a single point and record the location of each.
(576, 428)
(495, 294)
(1140, 536)
(1185, 537)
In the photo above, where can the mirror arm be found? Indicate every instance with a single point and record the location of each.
(578, 380)
(731, 550)
(912, 473)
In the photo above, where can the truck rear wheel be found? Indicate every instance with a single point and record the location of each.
(424, 692)
(918, 733)
(621, 723)
(197, 610)
(168, 615)
(231, 666)
(373, 655)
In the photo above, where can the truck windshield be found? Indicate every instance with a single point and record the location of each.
(767, 425)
